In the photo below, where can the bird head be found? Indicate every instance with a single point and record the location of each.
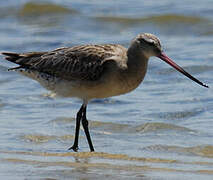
(149, 45)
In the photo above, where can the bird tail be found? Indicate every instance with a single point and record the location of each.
(10, 56)
(20, 58)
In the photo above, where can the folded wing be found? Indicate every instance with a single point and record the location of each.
(76, 63)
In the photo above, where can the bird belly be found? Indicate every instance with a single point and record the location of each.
(57, 85)
(83, 89)
(47, 81)
(111, 86)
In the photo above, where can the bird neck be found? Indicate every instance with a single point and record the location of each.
(136, 68)
(137, 61)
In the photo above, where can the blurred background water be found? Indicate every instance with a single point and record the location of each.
(162, 130)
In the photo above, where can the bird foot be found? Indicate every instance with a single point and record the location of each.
(74, 148)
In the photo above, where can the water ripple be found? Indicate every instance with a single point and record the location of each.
(178, 115)
(160, 19)
(150, 127)
(202, 150)
(38, 138)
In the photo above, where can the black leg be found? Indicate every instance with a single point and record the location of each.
(77, 127)
(85, 124)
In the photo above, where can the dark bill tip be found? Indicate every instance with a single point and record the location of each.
(165, 58)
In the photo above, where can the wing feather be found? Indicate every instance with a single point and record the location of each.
(84, 62)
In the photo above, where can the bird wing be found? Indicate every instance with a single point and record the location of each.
(84, 62)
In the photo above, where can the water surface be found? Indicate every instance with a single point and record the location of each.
(162, 130)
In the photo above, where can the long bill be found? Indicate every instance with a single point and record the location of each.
(165, 58)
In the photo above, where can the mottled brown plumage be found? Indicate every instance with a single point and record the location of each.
(92, 71)
(84, 62)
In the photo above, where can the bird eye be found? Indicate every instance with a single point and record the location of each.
(148, 41)
(151, 42)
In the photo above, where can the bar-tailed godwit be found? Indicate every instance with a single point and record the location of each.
(92, 71)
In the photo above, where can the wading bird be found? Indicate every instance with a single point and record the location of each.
(92, 71)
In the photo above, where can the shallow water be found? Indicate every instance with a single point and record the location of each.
(162, 130)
